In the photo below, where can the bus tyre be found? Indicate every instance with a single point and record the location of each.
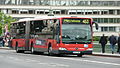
(50, 50)
(32, 50)
(18, 51)
(80, 55)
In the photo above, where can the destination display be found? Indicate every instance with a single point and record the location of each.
(76, 21)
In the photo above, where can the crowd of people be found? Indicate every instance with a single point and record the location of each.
(113, 40)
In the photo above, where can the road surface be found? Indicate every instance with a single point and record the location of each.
(11, 59)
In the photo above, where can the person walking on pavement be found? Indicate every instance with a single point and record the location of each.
(113, 41)
(118, 44)
(1, 41)
(103, 42)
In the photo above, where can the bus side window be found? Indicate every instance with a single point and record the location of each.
(22, 26)
(31, 27)
(45, 24)
(37, 26)
(18, 29)
(49, 25)
(13, 31)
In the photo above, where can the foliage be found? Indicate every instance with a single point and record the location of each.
(0, 28)
(96, 38)
(5, 19)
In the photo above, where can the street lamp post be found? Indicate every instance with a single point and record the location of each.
(50, 12)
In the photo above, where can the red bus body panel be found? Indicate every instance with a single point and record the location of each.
(18, 42)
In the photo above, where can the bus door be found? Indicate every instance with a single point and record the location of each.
(27, 35)
(56, 33)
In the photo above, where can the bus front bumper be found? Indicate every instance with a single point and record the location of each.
(75, 52)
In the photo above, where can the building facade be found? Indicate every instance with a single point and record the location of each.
(105, 12)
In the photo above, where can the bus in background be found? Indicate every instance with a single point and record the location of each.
(62, 35)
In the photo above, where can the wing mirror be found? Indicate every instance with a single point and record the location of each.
(96, 25)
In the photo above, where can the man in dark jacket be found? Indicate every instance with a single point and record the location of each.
(113, 41)
(118, 44)
(1, 41)
(103, 42)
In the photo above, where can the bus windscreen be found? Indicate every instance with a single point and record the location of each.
(76, 31)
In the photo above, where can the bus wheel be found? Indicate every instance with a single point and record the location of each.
(32, 50)
(18, 51)
(80, 55)
(50, 50)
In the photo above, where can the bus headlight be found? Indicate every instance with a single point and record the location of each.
(85, 45)
(62, 48)
(90, 49)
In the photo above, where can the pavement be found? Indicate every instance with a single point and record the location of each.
(94, 53)
(6, 48)
(106, 54)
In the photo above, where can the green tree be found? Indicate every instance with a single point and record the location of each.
(5, 19)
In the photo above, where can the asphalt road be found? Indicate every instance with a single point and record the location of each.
(11, 59)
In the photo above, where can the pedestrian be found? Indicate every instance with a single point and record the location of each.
(1, 41)
(9, 41)
(113, 41)
(118, 44)
(103, 42)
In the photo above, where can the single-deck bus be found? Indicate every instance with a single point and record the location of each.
(62, 35)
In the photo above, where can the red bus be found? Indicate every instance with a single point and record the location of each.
(62, 35)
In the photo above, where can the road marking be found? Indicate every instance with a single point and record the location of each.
(102, 62)
(14, 58)
(57, 64)
(11, 57)
(49, 64)
(73, 59)
(31, 60)
(54, 64)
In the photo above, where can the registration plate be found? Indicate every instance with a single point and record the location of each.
(76, 52)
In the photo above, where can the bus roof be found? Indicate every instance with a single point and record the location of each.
(52, 17)
(46, 17)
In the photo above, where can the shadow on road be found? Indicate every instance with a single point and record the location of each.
(55, 55)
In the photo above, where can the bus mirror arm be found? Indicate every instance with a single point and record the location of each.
(96, 25)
